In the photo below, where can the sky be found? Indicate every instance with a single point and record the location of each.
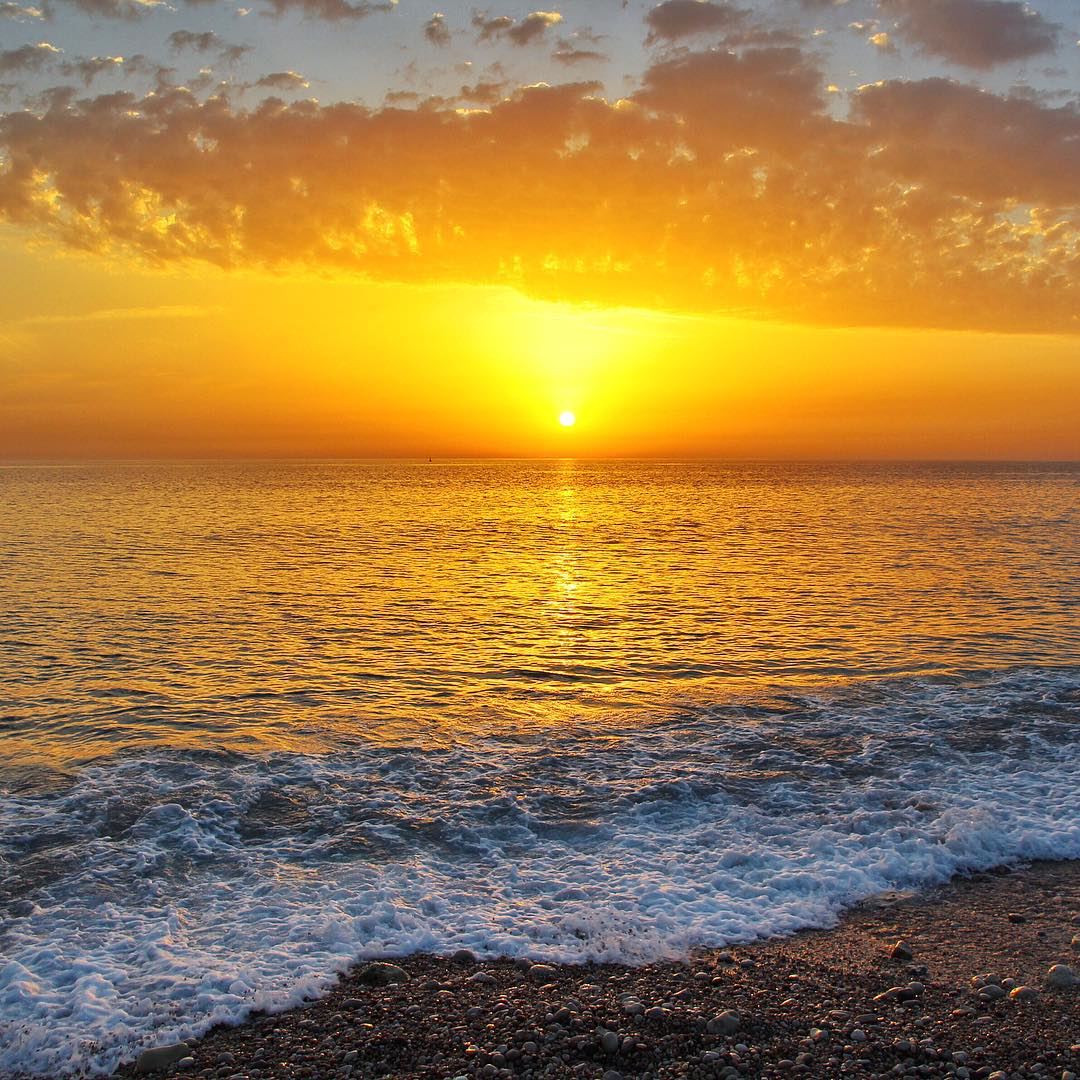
(311, 228)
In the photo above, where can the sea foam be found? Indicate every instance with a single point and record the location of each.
(159, 894)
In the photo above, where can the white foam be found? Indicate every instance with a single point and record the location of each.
(192, 889)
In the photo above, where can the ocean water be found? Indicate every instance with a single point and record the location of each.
(260, 720)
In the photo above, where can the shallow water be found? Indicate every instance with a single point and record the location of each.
(259, 720)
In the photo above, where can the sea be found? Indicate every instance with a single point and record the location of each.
(261, 720)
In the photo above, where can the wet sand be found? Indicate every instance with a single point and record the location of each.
(803, 1005)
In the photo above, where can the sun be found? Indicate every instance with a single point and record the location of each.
(567, 418)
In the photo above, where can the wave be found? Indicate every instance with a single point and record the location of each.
(154, 895)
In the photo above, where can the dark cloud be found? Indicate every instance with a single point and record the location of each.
(526, 31)
(484, 93)
(674, 19)
(436, 30)
(974, 33)
(330, 10)
(487, 28)
(27, 58)
(206, 41)
(129, 10)
(569, 54)
(283, 80)
(88, 68)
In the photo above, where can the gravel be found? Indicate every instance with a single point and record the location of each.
(819, 1004)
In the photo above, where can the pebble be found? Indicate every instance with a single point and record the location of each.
(724, 1024)
(542, 972)
(611, 1074)
(609, 1042)
(902, 951)
(482, 978)
(464, 956)
(161, 1057)
(1075, 943)
(1061, 976)
(382, 975)
(1024, 993)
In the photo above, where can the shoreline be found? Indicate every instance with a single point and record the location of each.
(801, 1005)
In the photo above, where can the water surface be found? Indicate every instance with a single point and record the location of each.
(260, 719)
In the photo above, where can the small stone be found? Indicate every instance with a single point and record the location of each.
(1024, 993)
(655, 1013)
(542, 972)
(1016, 917)
(1061, 976)
(609, 1042)
(902, 951)
(611, 1074)
(382, 975)
(633, 1008)
(351, 1058)
(482, 978)
(725, 958)
(979, 981)
(725, 1024)
(161, 1057)
(992, 992)
(186, 1063)
(858, 1035)
(464, 956)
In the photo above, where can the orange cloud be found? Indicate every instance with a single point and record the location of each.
(723, 183)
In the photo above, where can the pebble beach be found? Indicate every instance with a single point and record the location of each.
(973, 979)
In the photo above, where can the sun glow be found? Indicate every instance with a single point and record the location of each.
(567, 418)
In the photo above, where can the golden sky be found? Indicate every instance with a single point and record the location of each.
(782, 228)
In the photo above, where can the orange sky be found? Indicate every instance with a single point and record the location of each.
(709, 230)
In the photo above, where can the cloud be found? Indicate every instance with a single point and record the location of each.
(331, 10)
(206, 41)
(527, 31)
(27, 58)
(129, 10)
(674, 19)
(722, 182)
(88, 68)
(10, 10)
(436, 30)
(533, 27)
(569, 54)
(974, 33)
(484, 93)
(139, 314)
(283, 80)
(882, 42)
